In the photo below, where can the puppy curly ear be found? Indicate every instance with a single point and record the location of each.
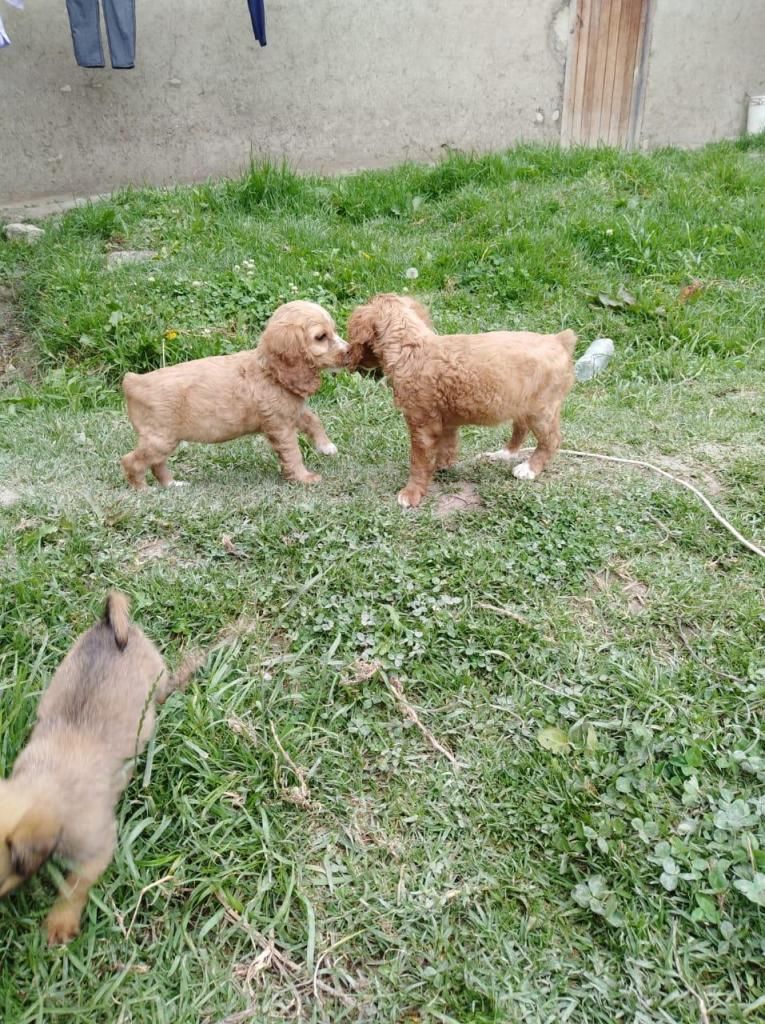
(286, 359)
(362, 334)
(33, 840)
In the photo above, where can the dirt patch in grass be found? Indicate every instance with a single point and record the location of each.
(692, 474)
(618, 579)
(464, 499)
(8, 497)
(150, 550)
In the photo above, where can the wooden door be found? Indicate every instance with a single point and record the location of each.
(608, 44)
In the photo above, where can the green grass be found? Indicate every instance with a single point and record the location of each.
(612, 878)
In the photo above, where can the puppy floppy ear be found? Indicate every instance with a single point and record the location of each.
(284, 356)
(32, 841)
(362, 334)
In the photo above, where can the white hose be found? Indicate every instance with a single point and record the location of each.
(675, 479)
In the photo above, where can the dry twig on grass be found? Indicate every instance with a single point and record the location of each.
(362, 671)
(701, 1002)
(395, 687)
(299, 795)
(270, 957)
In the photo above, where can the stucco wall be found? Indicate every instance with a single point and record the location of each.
(342, 84)
(705, 56)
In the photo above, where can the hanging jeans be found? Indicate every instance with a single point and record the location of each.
(119, 16)
(4, 40)
(258, 19)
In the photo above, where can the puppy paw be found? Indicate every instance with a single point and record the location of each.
(523, 471)
(309, 478)
(327, 449)
(503, 455)
(62, 926)
(410, 497)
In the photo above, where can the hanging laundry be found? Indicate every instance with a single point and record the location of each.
(258, 18)
(4, 39)
(84, 22)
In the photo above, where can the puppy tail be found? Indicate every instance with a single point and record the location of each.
(117, 617)
(568, 340)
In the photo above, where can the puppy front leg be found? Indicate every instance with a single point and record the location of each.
(285, 444)
(310, 424)
(421, 468)
(63, 921)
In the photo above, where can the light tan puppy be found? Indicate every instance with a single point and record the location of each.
(95, 717)
(443, 382)
(260, 391)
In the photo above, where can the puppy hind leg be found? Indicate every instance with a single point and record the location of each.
(511, 449)
(134, 466)
(162, 473)
(148, 453)
(547, 433)
(518, 436)
(160, 453)
(448, 449)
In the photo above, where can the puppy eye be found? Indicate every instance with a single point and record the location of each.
(322, 336)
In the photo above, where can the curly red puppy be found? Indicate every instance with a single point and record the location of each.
(260, 391)
(444, 382)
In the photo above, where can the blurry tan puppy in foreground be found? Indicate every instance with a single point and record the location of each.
(95, 717)
(260, 391)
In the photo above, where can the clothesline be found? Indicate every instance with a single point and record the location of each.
(119, 16)
(4, 40)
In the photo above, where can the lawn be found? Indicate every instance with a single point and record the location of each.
(587, 845)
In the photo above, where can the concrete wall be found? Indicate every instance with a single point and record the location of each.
(705, 56)
(342, 84)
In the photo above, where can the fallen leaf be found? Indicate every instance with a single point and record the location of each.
(754, 890)
(553, 739)
(608, 302)
(623, 298)
(690, 290)
(230, 548)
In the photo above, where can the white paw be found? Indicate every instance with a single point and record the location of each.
(403, 500)
(523, 471)
(503, 455)
(327, 449)
(178, 483)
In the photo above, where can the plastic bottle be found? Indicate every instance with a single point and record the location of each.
(595, 359)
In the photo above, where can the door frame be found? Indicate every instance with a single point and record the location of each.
(637, 104)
